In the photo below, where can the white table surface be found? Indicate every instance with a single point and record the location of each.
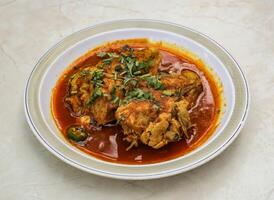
(244, 171)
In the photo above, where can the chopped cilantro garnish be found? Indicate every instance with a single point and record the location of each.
(97, 75)
(84, 72)
(96, 94)
(107, 61)
(116, 100)
(137, 72)
(138, 94)
(97, 81)
(113, 55)
(131, 70)
(154, 82)
(168, 92)
(146, 64)
(130, 80)
(112, 93)
(101, 54)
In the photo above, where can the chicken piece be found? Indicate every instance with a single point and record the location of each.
(167, 128)
(194, 89)
(183, 116)
(154, 135)
(134, 118)
(90, 94)
(74, 105)
(166, 103)
(140, 122)
(151, 56)
(161, 132)
(102, 111)
(186, 85)
(175, 81)
(84, 120)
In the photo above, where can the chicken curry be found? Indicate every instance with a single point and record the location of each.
(136, 102)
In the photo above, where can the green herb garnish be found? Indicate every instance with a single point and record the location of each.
(84, 72)
(137, 94)
(107, 61)
(130, 80)
(112, 55)
(97, 80)
(97, 76)
(116, 100)
(146, 64)
(101, 54)
(167, 92)
(153, 81)
(96, 94)
(113, 92)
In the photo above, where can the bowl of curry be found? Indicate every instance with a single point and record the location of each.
(123, 101)
(137, 102)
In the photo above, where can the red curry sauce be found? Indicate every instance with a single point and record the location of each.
(108, 144)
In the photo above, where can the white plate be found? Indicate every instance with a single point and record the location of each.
(49, 68)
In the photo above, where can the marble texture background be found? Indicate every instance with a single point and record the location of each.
(244, 171)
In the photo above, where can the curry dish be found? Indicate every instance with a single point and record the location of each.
(136, 101)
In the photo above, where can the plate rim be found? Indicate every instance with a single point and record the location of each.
(207, 158)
